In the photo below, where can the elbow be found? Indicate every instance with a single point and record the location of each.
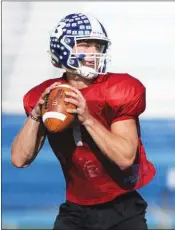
(126, 164)
(18, 163)
(129, 159)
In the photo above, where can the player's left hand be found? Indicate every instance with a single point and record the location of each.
(77, 99)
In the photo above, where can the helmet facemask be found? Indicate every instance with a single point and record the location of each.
(76, 60)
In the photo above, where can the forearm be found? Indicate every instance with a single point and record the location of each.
(113, 146)
(26, 144)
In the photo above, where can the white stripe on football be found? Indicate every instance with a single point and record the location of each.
(59, 116)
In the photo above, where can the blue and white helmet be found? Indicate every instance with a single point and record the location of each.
(70, 29)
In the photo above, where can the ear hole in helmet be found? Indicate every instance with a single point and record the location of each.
(54, 63)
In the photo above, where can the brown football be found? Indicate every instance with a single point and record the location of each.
(54, 114)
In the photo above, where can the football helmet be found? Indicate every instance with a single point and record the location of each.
(72, 28)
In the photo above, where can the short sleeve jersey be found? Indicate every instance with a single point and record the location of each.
(91, 177)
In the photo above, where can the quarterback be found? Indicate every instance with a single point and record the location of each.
(101, 154)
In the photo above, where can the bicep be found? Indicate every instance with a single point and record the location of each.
(126, 129)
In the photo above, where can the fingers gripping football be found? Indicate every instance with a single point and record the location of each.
(37, 109)
(76, 98)
(54, 110)
(72, 98)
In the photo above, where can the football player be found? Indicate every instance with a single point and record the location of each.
(102, 155)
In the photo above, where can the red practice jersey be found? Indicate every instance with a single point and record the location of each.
(91, 177)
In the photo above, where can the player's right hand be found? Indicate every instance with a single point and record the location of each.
(36, 112)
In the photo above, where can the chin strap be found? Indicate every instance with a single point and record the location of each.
(87, 72)
(83, 71)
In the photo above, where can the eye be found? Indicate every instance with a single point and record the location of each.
(98, 47)
(83, 44)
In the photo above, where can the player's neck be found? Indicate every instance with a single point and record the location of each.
(77, 81)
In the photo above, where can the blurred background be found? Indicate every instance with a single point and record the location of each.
(143, 44)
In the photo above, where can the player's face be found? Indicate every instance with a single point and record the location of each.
(90, 47)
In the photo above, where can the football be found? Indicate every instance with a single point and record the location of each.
(54, 114)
